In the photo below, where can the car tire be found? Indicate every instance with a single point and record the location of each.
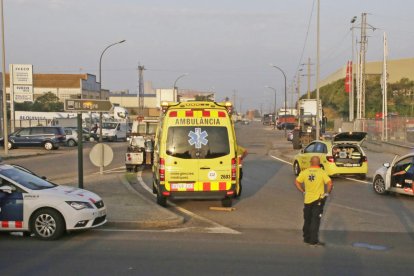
(161, 200)
(47, 224)
(48, 145)
(296, 168)
(227, 202)
(91, 139)
(10, 145)
(71, 143)
(379, 185)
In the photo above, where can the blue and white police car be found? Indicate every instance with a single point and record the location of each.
(31, 204)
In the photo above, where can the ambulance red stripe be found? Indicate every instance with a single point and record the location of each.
(222, 186)
(206, 186)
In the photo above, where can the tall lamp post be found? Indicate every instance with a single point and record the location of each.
(284, 75)
(351, 95)
(5, 130)
(175, 83)
(274, 106)
(100, 96)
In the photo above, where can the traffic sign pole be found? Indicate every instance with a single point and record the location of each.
(80, 151)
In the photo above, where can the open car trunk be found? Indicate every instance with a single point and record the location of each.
(347, 155)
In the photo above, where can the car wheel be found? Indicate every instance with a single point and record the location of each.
(161, 200)
(379, 185)
(71, 143)
(48, 145)
(296, 168)
(91, 139)
(10, 145)
(47, 224)
(227, 202)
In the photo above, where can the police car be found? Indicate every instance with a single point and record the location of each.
(31, 204)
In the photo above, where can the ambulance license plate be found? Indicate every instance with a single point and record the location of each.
(182, 186)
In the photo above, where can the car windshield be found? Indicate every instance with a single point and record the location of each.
(197, 142)
(25, 179)
(109, 125)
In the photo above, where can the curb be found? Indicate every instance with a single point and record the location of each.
(172, 221)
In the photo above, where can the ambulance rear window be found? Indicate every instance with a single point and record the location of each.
(192, 142)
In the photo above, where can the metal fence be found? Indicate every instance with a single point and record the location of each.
(396, 129)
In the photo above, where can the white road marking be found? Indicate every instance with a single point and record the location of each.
(357, 210)
(119, 169)
(281, 160)
(357, 180)
(217, 228)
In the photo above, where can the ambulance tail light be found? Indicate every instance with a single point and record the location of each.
(364, 159)
(162, 169)
(233, 169)
(330, 159)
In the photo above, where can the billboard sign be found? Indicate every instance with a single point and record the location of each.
(22, 74)
(87, 105)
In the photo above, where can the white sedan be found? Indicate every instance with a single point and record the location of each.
(396, 177)
(31, 204)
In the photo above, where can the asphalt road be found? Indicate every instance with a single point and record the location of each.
(366, 234)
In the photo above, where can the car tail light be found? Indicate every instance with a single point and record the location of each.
(330, 159)
(166, 193)
(364, 159)
(233, 169)
(162, 169)
(230, 193)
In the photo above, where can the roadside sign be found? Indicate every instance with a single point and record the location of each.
(23, 93)
(87, 105)
(96, 155)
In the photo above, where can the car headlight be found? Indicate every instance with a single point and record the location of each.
(79, 205)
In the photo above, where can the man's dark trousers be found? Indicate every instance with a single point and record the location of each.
(312, 214)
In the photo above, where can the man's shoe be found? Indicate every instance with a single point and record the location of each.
(318, 244)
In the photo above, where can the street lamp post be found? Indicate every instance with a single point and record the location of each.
(175, 84)
(284, 75)
(274, 106)
(5, 130)
(100, 96)
(352, 93)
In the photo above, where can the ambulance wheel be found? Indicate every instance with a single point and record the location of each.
(154, 189)
(227, 202)
(239, 190)
(161, 200)
(47, 224)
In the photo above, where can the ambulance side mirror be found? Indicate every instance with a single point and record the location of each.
(7, 189)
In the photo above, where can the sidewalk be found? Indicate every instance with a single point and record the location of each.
(283, 149)
(126, 207)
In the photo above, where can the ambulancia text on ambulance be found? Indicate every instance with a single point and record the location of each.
(196, 153)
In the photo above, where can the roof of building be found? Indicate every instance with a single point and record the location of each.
(55, 80)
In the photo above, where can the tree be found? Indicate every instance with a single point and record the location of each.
(48, 102)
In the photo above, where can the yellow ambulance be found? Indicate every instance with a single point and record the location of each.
(196, 154)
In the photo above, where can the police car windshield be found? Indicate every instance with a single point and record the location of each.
(25, 179)
(109, 125)
(197, 142)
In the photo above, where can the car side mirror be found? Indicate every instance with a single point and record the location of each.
(7, 189)
(387, 165)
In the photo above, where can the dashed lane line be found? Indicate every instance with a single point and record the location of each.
(216, 227)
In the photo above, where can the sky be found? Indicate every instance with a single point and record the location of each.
(224, 45)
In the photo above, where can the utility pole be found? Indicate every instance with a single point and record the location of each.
(352, 93)
(234, 98)
(298, 84)
(308, 75)
(384, 92)
(5, 130)
(141, 90)
(362, 54)
(318, 115)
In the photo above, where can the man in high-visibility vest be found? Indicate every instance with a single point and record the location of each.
(311, 182)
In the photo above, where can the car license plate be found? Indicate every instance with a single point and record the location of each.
(182, 186)
(348, 165)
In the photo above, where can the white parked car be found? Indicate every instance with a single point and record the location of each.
(396, 176)
(71, 137)
(31, 204)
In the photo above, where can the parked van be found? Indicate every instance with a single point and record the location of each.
(113, 131)
(196, 153)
